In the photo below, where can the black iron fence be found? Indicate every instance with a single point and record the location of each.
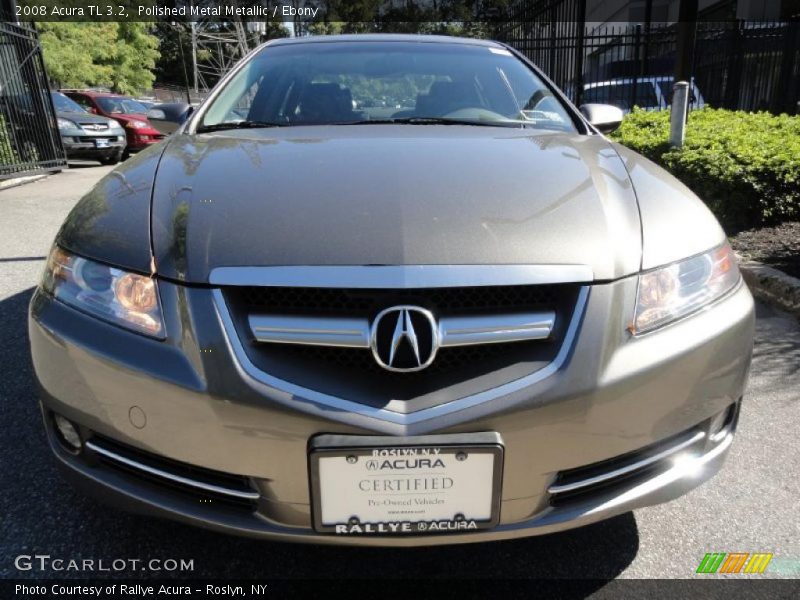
(736, 65)
(29, 138)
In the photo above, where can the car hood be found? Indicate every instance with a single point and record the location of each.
(392, 195)
(85, 117)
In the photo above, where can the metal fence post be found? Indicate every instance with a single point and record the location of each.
(677, 117)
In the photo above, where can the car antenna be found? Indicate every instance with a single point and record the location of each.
(183, 64)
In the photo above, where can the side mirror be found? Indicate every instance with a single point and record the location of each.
(92, 110)
(166, 118)
(604, 117)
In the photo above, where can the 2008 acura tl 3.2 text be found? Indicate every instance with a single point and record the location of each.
(390, 290)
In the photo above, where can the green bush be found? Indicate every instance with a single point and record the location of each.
(745, 166)
(7, 154)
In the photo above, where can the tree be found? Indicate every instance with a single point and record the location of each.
(120, 56)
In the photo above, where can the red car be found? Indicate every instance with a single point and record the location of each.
(131, 114)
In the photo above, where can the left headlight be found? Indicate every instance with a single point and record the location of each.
(66, 124)
(126, 299)
(137, 124)
(674, 291)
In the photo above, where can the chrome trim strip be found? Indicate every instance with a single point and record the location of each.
(495, 329)
(568, 487)
(400, 276)
(302, 398)
(309, 330)
(355, 333)
(172, 477)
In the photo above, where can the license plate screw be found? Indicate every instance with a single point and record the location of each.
(461, 456)
(352, 459)
(353, 521)
(459, 517)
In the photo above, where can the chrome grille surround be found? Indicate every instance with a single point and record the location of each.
(396, 417)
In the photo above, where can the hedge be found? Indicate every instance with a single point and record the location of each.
(7, 155)
(745, 166)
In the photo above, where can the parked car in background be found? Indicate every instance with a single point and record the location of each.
(85, 135)
(130, 113)
(650, 93)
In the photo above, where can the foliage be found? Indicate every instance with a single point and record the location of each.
(120, 56)
(7, 154)
(176, 49)
(745, 166)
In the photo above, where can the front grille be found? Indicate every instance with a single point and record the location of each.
(327, 301)
(94, 126)
(448, 360)
(353, 373)
(87, 138)
(188, 480)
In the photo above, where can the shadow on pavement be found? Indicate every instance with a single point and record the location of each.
(777, 347)
(44, 515)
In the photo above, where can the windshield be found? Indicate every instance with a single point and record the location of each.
(64, 104)
(121, 105)
(362, 82)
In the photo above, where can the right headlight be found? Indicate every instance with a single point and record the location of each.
(674, 291)
(126, 299)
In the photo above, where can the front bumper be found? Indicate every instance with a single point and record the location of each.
(81, 145)
(187, 399)
(139, 140)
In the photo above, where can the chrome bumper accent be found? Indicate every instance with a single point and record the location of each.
(355, 333)
(625, 470)
(200, 485)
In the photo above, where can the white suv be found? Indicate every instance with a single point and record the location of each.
(651, 93)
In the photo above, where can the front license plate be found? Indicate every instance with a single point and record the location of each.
(422, 485)
(101, 143)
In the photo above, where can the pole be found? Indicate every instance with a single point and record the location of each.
(194, 55)
(677, 117)
(687, 31)
(183, 64)
(684, 57)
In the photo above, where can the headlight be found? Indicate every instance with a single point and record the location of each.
(125, 299)
(137, 124)
(674, 291)
(66, 124)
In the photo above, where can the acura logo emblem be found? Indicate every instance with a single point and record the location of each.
(404, 338)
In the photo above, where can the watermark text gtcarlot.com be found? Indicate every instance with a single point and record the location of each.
(48, 563)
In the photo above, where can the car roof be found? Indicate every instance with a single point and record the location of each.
(385, 37)
(93, 93)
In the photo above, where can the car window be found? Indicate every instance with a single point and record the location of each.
(622, 95)
(112, 105)
(64, 104)
(341, 82)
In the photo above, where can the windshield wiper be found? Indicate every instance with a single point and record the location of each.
(432, 121)
(238, 125)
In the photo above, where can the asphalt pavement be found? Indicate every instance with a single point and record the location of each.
(751, 506)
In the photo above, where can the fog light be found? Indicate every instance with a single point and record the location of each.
(718, 428)
(68, 432)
